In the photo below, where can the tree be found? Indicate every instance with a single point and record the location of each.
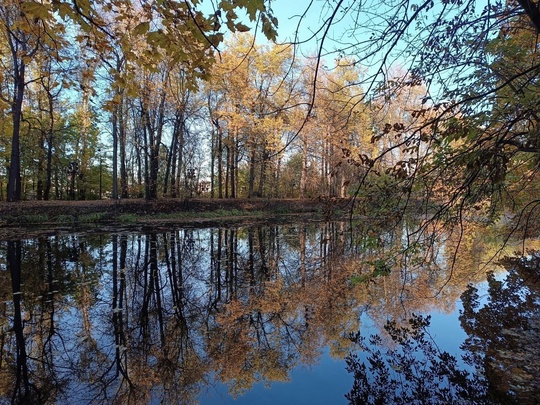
(501, 330)
(51, 88)
(183, 108)
(340, 126)
(488, 136)
(415, 371)
(251, 97)
(23, 36)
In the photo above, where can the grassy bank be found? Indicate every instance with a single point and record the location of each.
(25, 216)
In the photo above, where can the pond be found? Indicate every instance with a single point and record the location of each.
(313, 313)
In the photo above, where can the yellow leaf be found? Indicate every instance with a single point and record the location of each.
(65, 10)
(35, 9)
(84, 5)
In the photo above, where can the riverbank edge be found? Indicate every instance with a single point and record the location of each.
(34, 218)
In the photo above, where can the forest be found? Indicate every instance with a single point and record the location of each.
(431, 102)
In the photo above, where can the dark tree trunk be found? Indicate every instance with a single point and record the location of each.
(262, 176)
(14, 179)
(50, 142)
(154, 133)
(227, 169)
(213, 164)
(234, 165)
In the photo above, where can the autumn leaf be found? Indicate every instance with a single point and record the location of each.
(242, 28)
(142, 28)
(252, 7)
(35, 9)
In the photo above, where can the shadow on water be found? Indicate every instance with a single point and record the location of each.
(160, 317)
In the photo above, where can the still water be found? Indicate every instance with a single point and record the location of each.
(318, 313)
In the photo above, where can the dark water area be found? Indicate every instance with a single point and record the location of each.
(300, 313)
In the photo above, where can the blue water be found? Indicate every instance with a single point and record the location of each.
(324, 383)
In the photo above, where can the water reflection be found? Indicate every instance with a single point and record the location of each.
(143, 317)
(500, 363)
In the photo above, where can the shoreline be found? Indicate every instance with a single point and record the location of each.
(34, 218)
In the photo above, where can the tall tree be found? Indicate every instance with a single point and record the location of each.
(338, 128)
(23, 35)
(254, 96)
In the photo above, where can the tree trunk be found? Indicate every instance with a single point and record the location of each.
(234, 166)
(170, 170)
(227, 170)
(212, 163)
(115, 123)
(50, 142)
(155, 144)
(262, 176)
(220, 164)
(14, 179)
(180, 163)
(146, 165)
(42, 156)
(251, 180)
(303, 172)
(121, 144)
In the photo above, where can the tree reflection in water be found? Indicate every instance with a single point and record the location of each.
(23, 389)
(415, 371)
(139, 318)
(501, 361)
